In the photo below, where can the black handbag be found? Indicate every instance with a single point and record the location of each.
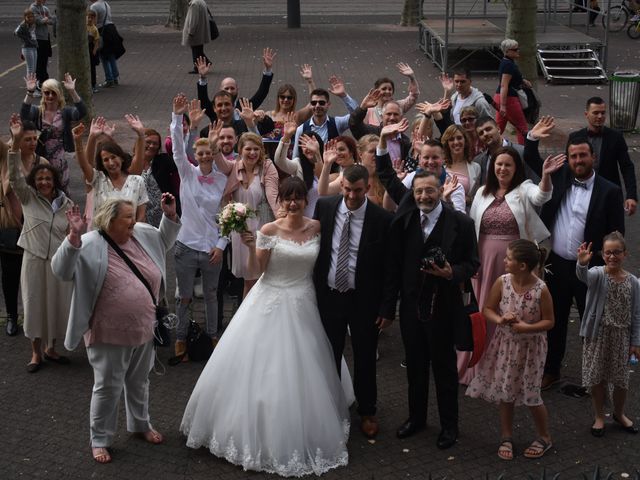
(9, 239)
(199, 344)
(161, 336)
(213, 27)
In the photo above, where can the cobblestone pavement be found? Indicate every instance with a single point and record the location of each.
(44, 424)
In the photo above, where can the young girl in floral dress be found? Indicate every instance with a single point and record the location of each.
(610, 327)
(510, 372)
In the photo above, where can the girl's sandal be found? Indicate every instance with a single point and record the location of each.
(101, 454)
(537, 448)
(505, 450)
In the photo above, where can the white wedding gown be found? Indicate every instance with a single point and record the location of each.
(269, 398)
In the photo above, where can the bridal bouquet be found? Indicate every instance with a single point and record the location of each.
(233, 218)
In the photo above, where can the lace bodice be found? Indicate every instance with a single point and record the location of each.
(291, 263)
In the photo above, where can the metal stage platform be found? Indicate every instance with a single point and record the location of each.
(475, 42)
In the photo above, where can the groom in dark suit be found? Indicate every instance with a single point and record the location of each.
(349, 276)
(584, 208)
(432, 315)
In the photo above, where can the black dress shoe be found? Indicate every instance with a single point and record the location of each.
(447, 438)
(12, 326)
(597, 432)
(627, 428)
(409, 428)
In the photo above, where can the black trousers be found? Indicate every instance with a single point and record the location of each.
(11, 264)
(44, 50)
(431, 344)
(196, 52)
(340, 310)
(564, 287)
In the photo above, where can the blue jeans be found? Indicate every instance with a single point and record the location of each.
(110, 67)
(188, 261)
(30, 57)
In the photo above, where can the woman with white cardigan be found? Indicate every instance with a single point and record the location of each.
(504, 209)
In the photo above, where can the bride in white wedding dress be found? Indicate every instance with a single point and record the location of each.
(269, 398)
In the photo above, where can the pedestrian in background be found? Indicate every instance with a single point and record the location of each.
(43, 19)
(196, 32)
(26, 32)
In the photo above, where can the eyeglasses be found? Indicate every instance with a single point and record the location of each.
(612, 253)
(286, 97)
(467, 119)
(48, 92)
(322, 103)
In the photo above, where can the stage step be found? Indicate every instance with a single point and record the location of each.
(576, 65)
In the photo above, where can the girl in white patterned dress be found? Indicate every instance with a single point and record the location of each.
(510, 371)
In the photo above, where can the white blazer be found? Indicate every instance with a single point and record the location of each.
(522, 201)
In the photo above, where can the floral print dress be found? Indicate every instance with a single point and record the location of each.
(54, 147)
(511, 368)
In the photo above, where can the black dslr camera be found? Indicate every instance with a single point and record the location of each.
(434, 256)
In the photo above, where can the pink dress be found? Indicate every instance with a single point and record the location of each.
(498, 228)
(511, 369)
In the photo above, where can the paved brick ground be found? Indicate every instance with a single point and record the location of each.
(44, 425)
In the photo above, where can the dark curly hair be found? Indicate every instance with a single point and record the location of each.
(57, 178)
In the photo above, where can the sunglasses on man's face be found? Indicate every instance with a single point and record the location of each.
(468, 119)
(322, 103)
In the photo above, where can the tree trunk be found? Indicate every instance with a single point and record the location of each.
(73, 47)
(521, 26)
(411, 13)
(177, 12)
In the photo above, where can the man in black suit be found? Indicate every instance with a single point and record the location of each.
(349, 277)
(584, 207)
(433, 321)
(610, 150)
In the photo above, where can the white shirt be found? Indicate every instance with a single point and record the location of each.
(432, 219)
(355, 232)
(200, 200)
(457, 196)
(568, 230)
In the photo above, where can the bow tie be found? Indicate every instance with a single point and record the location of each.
(203, 179)
(593, 134)
(580, 184)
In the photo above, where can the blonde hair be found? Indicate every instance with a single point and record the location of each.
(108, 211)
(365, 140)
(55, 86)
(253, 138)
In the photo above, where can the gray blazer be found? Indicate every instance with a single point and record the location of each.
(596, 281)
(86, 267)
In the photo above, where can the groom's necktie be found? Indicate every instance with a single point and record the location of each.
(342, 265)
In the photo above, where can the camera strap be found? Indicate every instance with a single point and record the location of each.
(129, 263)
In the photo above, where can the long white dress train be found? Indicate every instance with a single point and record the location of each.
(269, 398)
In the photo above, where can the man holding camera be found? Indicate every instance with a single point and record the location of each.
(433, 251)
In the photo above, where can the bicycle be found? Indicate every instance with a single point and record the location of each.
(619, 16)
(634, 29)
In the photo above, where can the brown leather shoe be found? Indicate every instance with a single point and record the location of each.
(369, 426)
(548, 380)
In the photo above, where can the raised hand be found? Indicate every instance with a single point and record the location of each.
(97, 126)
(78, 131)
(259, 115)
(336, 86)
(417, 141)
(77, 221)
(135, 123)
(214, 133)
(196, 113)
(330, 153)
(246, 112)
(306, 72)
(203, 66)
(15, 125)
(429, 109)
(31, 81)
(553, 163)
(446, 82)
(69, 82)
(290, 126)
(543, 128)
(585, 253)
(268, 55)
(394, 128)
(405, 69)
(309, 143)
(450, 185)
(168, 205)
(109, 129)
(180, 104)
(371, 99)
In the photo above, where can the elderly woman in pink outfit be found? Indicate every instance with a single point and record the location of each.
(252, 180)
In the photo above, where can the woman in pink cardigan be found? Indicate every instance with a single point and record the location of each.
(252, 180)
